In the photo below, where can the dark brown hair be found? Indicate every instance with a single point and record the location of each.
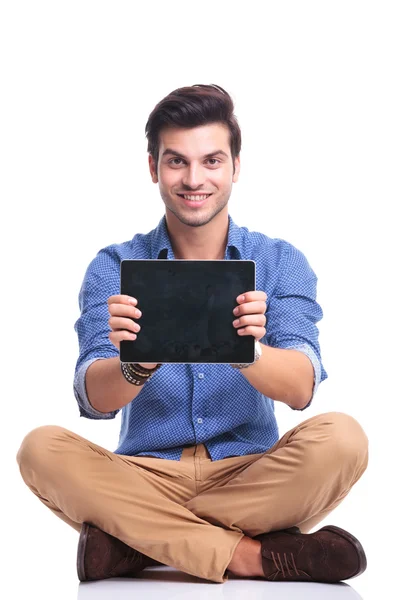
(191, 107)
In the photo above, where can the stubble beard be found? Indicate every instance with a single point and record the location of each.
(199, 217)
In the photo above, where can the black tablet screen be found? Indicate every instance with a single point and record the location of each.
(187, 310)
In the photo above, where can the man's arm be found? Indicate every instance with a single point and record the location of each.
(290, 368)
(99, 385)
(106, 387)
(285, 375)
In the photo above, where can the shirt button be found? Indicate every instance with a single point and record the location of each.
(199, 420)
(201, 375)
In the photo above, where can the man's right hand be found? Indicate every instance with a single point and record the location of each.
(122, 311)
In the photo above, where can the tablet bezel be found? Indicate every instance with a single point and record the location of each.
(246, 344)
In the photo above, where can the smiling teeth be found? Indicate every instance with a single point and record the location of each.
(196, 198)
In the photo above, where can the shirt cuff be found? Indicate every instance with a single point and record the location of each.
(308, 351)
(85, 408)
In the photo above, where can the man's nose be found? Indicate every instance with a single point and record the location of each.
(194, 176)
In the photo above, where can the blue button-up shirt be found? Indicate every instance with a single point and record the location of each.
(187, 404)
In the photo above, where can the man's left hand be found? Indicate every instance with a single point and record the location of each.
(250, 317)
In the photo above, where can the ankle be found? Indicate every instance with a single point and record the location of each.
(246, 560)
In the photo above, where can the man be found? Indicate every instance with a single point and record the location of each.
(200, 480)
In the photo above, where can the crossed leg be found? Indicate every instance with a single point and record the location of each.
(298, 482)
(82, 482)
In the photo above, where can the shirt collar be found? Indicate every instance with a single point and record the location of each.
(161, 243)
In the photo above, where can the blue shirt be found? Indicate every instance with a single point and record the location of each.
(187, 404)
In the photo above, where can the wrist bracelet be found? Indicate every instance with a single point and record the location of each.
(131, 369)
(137, 367)
(134, 376)
(136, 370)
(131, 378)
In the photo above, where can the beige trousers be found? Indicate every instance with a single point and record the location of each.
(192, 513)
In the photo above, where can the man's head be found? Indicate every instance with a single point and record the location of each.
(194, 144)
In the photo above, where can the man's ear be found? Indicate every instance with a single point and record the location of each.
(153, 169)
(237, 169)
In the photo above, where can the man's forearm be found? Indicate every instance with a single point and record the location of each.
(106, 387)
(283, 375)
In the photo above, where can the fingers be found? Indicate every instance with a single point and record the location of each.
(124, 306)
(123, 311)
(256, 332)
(256, 320)
(252, 296)
(257, 307)
(122, 299)
(116, 337)
(118, 323)
(250, 314)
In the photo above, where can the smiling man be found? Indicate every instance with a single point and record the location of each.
(200, 480)
(196, 187)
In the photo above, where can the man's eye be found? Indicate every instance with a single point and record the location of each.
(172, 161)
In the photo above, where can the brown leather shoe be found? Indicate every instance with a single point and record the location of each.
(101, 556)
(329, 555)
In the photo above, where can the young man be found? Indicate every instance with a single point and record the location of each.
(200, 480)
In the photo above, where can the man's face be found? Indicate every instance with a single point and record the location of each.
(193, 163)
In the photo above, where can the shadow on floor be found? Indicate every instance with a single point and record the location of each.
(172, 583)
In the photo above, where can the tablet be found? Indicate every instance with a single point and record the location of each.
(187, 310)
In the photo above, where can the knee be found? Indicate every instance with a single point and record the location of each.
(346, 439)
(36, 447)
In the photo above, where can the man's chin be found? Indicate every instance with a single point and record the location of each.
(194, 217)
(186, 217)
(194, 220)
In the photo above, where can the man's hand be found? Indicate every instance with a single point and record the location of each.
(123, 311)
(250, 316)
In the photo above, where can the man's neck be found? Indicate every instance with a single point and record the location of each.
(199, 243)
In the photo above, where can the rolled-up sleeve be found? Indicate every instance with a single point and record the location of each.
(101, 280)
(293, 312)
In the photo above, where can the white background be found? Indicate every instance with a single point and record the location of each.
(316, 91)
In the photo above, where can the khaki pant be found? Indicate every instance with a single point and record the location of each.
(192, 513)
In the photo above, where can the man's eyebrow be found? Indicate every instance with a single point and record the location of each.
(175, 153)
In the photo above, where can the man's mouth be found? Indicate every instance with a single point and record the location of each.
(195, 197)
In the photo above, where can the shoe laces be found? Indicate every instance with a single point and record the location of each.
(132, 560)
(280, 565)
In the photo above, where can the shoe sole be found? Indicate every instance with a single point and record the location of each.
(80, 563)
(350, 538)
